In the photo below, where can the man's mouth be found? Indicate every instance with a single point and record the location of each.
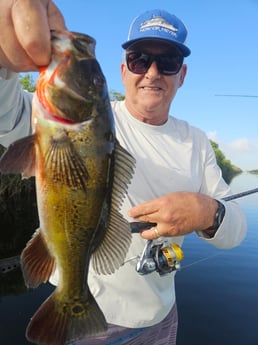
(151, 88)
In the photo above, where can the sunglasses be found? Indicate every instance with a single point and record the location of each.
(167, 64)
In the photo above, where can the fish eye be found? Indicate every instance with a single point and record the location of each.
(80, 46)
(84, 45)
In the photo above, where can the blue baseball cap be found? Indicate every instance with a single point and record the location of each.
(158, 25)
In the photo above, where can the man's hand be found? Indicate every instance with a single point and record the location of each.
(25, 33)
(176, 214)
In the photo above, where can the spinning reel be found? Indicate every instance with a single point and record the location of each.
(163, 258)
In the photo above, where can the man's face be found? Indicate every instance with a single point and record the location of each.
(149, 95)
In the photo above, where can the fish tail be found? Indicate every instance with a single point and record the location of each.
(59, 322)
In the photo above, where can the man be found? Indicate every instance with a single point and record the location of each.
(177, 183)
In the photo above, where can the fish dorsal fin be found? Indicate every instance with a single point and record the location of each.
(20, 157)
(36, 261)
(111, 253)
(64, 163)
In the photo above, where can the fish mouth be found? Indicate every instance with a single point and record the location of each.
(56, 118)
(50, 116)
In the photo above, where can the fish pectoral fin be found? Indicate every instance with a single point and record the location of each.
(65, 164)
(111, 253)
(19, 157)
(36, 262)
(59, 321)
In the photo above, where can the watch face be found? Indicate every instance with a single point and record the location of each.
(220, 214)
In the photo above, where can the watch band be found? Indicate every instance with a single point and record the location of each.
(219, 216)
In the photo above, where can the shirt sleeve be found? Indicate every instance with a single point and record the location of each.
(233, 228)
(15, 109)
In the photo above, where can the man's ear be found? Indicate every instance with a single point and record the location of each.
(182, 75)
(122, 69)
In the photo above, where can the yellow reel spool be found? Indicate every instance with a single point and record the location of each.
(173, 253)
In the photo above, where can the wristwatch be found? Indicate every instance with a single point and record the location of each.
(219, 216)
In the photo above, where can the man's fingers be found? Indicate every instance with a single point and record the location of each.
(143, 211)
(151, 234)
(55, 18)
(32, 22)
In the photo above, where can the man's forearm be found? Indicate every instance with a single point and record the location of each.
(15, 109)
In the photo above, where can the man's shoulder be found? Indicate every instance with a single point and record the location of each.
(185, 128)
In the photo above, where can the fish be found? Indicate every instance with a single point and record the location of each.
(82, 174)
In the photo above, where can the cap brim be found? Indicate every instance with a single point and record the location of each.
(184, 49)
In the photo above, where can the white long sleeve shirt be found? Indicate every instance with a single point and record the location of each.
(169, 158)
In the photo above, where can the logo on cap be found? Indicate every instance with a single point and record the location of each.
(157, 23)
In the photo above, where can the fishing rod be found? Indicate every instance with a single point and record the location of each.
(240, 195)
(165, 257)
(229, 95)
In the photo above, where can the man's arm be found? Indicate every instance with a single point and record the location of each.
(15, 109)
(180, 213)
(25, 27)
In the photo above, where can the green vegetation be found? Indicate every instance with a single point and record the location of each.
(27, 82)
(18, 212)
(253, 172)
(116, 96)
(228, 170)
(18, 221)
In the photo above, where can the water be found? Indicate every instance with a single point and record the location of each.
(217, 293)
(217, 290)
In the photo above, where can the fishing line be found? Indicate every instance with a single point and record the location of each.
(137, 257)
(201, 260)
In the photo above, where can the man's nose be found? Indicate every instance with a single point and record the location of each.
(153, 70)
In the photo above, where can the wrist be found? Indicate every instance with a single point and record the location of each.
(218, 219)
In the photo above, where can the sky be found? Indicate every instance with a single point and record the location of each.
(223, 38)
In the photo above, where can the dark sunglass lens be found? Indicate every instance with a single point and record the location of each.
(137, 63)
(169, 64)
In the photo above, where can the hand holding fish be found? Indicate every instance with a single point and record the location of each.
(176, 214)
(25, 33)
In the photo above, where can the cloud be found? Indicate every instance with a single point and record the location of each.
(243, 145)
(239, 145)
(242, 152)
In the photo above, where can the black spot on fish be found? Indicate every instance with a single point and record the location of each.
(77, 309)
(65, 308)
